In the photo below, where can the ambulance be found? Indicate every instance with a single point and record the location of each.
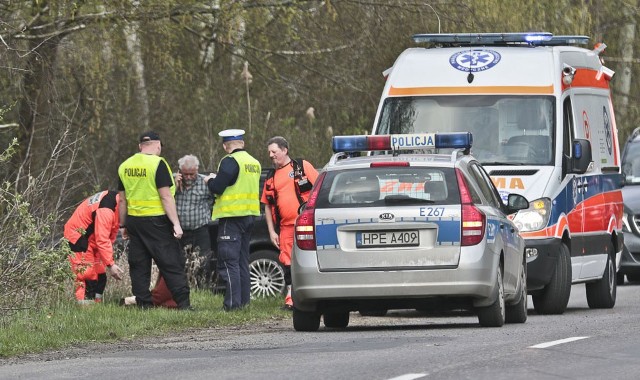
(540, 111)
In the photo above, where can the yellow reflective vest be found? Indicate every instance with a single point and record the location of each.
(241, 198)
(138, 175)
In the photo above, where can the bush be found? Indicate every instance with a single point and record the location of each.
(32, 270)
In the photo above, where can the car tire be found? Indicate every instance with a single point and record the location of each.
(373, 313)
(633, 277)
(555, 296)
(305, 320)
(267, 274)
(602, 293)
(338, 320)
(494, 314)
(517, 312)
(620, 278)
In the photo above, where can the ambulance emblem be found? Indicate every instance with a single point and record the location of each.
(475, 60)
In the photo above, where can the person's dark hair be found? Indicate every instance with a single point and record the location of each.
(280, 141)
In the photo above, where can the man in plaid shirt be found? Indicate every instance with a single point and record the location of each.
(194, 203)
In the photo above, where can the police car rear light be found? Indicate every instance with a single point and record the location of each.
(387, 164)
(473, 220)
(462, 140)
(305, 233)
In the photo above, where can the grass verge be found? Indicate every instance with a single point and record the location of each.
(68, 324)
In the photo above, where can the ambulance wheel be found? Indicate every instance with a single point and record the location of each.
(602, 293)
(338, 320)
(517, 312)
(305, 320)
(494, 314)
(555, 296)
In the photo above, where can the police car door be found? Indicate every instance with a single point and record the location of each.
(500, 232)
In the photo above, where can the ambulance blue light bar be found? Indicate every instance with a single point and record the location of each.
(483, 38)
(462, 140)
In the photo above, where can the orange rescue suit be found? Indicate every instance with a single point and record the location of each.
(91, 232)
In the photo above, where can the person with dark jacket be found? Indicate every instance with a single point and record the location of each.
(236, 187)
(148, 210)
(91, 232)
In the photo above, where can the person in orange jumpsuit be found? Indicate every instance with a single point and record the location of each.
(283, 193)
(91, 232)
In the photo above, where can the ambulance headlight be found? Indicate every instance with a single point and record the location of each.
(534, 218)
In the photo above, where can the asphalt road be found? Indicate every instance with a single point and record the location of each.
(580, 344)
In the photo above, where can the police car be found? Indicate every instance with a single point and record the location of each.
(396, 229)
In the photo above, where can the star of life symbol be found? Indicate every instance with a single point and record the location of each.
(580, 186)
(475, 60)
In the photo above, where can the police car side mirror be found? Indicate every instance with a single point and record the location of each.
(516, 202)
(581, 156)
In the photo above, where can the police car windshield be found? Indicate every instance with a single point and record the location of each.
(507, 130)
(388, 186)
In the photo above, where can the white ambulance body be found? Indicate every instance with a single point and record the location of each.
(543, 126)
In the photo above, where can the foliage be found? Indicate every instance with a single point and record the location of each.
(32, 271)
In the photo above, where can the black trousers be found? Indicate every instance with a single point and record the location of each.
(93, 287)
(234, 235)
(199, 240)
(151, 238)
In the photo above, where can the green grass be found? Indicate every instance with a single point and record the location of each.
(68, 324)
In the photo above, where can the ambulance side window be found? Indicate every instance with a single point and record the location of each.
(567, 134)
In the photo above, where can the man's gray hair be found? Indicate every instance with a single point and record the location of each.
(280, 141)
(188, 162)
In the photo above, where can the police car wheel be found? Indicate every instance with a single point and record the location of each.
(373, 313)
(305, 320)
(338, 320)
(267, 274)
(517, 313)
(494, 314)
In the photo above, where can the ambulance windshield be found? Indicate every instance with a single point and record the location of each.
(507, 130)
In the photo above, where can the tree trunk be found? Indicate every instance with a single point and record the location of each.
(627, 38)
(135, 52)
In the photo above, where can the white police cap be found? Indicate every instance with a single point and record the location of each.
(231, 134)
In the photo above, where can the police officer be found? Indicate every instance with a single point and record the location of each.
(148, 214)
(236, 188)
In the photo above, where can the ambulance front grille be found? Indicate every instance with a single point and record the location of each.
(514, 172)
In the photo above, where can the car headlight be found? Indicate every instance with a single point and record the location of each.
(534, 218)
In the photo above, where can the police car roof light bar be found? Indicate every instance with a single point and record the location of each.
(461, 140)
(533, 38)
